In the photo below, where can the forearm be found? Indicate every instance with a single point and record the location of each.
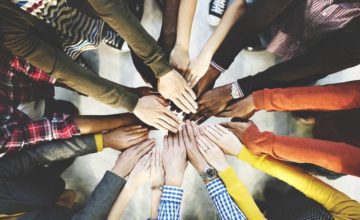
(122, 202)
(315, 98)
(232, 14)
(97, 124)
(338, 157)
(240, 194)
(185, 19)
(169, 25)
(102, 198)
(117, 14)
(155, 203)
(336, 202)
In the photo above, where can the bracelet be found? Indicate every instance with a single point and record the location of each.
(157, 188)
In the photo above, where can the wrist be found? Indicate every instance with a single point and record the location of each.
(221, 166)
(227, 92)
(181, 46)
(118, 172)
(174, 181)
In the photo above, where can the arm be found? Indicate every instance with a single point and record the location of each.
(240, 194)
(119, 17)
(316, 98)
(337, 203)
(155, 203)
(225, 207)
(338, 157)
(170, 203)
(332, 54)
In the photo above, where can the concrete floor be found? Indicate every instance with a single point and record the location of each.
(88, 170)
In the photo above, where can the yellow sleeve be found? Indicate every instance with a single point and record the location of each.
(99, 142)
(240, 194)
(337, 203)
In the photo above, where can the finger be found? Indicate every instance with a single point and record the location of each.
(167, 126)
(190, 131)
(222, 129)
(202, 119)
(146, 149)
(201, 144)
(162, 101)
(165, 144)
(225, 114)
(191, 92)
(194, 80)
(199, 115)
(215, 130)
(205, 141)
(212, 136)
(138, 140)
(202, 151)
(181, 106)
(153, 159)
(189, 103)
(195, 128)
(171, 141)
(181, 138)
(148, 160)
(188, 97)
(137, 135)
(172, 117)
(129, 128)
(157, 157)
(176, 140)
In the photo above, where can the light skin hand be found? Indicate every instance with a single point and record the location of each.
(224, 139)
(174, 160)
(173, 86)
(197, 69)
(212, 153)
(127, 160)
(152, 111)
(125, 137)
(157, 169)
(188, 136)
(244, 109)
(179, 58)
(238, 128)
(141, 172)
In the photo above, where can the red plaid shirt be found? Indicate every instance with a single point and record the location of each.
(20, 82)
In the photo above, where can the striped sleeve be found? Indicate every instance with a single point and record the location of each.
(170, 203)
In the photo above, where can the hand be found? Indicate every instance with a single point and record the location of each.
(238, 128)
(188, 135)
(125, 137)
(172, 86)
(207, 81)
(127, 160)
(179, 58)
(212, 103)
(174, 157)
(141, 172)
(224, 139)
(197, 69)
(244, 109)
(212, 153)
(157, 169)
(152, 111)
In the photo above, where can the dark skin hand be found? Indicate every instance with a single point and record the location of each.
(212, 103)
(244, 108)
(207, 81)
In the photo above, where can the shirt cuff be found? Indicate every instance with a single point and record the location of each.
(99, 142)
(215, 188)
(259, 100)
(172, 194)
(216, 66)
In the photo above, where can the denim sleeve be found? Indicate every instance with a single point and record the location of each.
(102, 199)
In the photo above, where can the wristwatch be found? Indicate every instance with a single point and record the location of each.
(208, 174)
(236, 92)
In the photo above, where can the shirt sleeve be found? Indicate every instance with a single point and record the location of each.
(19, 133)
(18, 37)
(117, 14)
(335, 156)
(225, 206)
(315, 98)
(337, 203)
(240, 194)
(170, 203)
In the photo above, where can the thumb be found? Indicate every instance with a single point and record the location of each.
(162, 101)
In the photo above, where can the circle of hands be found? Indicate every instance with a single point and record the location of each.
(201, 146)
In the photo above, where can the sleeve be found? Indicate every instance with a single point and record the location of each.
(119, 17)
(335, 156)
(102, 199)
(256, 19)
(240, 194)
(18, 38)
(337, 52)
(225, 206)
(170, 203)
(337, 203)
(18, 132)
(315, 98)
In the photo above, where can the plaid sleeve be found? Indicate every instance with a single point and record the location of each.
(170, 203)
(18, 132)
(225, 206)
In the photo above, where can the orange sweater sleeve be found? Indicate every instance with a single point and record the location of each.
(338, 157)
(316, 98)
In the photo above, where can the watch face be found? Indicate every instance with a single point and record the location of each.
(210, 173)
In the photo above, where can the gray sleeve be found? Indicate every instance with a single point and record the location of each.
(102, 199)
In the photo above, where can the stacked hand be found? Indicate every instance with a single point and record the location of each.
(197, 69)
(141, 172)
(244, 109)
(125, 137)
(157, 169)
